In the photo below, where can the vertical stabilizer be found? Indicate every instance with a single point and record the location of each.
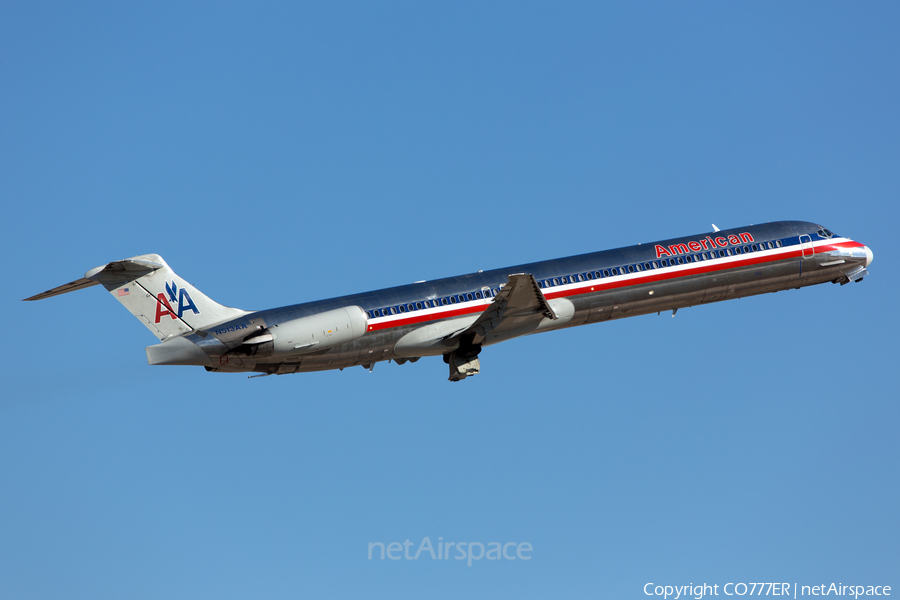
(164, 302)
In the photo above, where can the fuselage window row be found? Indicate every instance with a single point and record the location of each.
(587, 276)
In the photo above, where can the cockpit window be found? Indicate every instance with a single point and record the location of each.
(825, 233)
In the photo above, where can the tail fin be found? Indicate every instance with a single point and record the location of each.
(164, 302)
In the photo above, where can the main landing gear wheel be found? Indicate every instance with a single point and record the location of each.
(463, 362)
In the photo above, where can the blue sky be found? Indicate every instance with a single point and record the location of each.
(280, 153)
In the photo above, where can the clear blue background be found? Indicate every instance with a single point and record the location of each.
(277, 153)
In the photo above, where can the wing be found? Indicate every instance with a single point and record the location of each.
(519, 305)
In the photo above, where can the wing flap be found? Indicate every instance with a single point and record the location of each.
(520, 304)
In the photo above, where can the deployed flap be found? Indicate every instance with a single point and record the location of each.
(519, 304)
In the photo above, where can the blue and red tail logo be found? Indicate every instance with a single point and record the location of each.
(181, 296)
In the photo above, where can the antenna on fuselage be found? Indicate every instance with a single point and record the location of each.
(714, 227)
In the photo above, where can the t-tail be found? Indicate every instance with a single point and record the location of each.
(167, 304)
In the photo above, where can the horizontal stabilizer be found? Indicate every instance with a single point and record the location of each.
(118, 271)
(78, 284)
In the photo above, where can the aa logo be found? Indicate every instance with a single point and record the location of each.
(164, 305)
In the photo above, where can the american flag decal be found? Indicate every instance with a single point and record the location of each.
(123, 292)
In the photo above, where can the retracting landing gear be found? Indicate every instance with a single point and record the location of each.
(463, 362)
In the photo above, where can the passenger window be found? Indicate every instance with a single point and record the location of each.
(470, 296)
(655, 264)
(495, 291)
(402, 308)
(631, 268)
(418, 306)
(597, 274)
(778, 243)
(555, 281)
(606, 272)
(590, 276)
(444, 301)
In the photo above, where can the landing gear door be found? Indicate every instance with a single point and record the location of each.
(806, 247)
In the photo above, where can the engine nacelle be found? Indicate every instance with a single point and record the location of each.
(318, 332)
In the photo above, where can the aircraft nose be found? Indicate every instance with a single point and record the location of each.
(869, 255)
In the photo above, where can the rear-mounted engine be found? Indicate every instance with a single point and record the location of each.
(307, 334)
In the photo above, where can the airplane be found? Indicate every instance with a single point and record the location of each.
(456, 317)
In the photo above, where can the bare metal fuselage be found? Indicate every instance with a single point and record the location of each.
(697, 280)
(456, 317)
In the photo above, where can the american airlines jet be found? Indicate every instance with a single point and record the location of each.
(458, 316)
